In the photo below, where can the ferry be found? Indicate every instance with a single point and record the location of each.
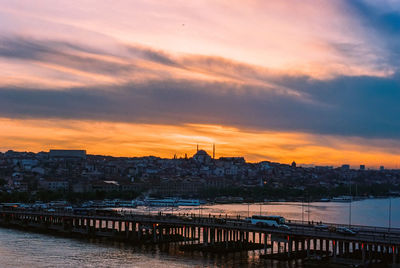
(343, 198)
(127, 204)
(188, 202)
(168, 202)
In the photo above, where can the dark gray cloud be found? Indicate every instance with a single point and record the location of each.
(352, 106)
(363, 106)
(61, 53)
(153, 55)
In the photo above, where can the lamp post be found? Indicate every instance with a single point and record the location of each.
(351, 199)
(390, 212)
(248, 210)
(308, 210)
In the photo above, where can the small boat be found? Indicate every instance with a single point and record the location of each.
(324, 200)
(342, 198)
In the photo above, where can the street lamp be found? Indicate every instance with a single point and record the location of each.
(390, 212)
(351, 198)
(308, 210)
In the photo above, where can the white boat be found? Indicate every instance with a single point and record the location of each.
(342, 198)
(188, 202)
(168, 202)
(127, 204)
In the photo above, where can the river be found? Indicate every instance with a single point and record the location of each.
(25, 249)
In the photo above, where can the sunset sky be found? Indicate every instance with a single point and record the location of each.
(312, 81)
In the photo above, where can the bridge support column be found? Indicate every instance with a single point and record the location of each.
(327, 242)
(139, 231)
(265, 243)
(346, 248)
(127, 230)
(226, 238)
(363, 253)
(334, 248)
(205, 238)
(154, 233)
(290, 247)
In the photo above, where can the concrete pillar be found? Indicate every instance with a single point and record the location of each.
(226, 239)
(334, 248)
(265, 243)
(363, 248)
(327, 242)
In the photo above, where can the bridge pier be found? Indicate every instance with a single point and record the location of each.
(219, 237)
(265, 243)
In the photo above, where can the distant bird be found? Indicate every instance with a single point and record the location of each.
(183, 24)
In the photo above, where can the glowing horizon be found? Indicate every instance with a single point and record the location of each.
(313, 81)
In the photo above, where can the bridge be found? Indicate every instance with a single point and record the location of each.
(219, 234)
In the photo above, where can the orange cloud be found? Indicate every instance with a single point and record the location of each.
(123, 139)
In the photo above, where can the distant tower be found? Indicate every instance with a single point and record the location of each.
(213, 150)
(197, 148)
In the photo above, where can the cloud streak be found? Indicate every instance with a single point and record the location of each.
(353, 107)
(320, 68)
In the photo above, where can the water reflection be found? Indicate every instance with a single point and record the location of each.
(23, 249)
(374, 212)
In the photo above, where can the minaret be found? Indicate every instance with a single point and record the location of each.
(197, 148)
(213, 150)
